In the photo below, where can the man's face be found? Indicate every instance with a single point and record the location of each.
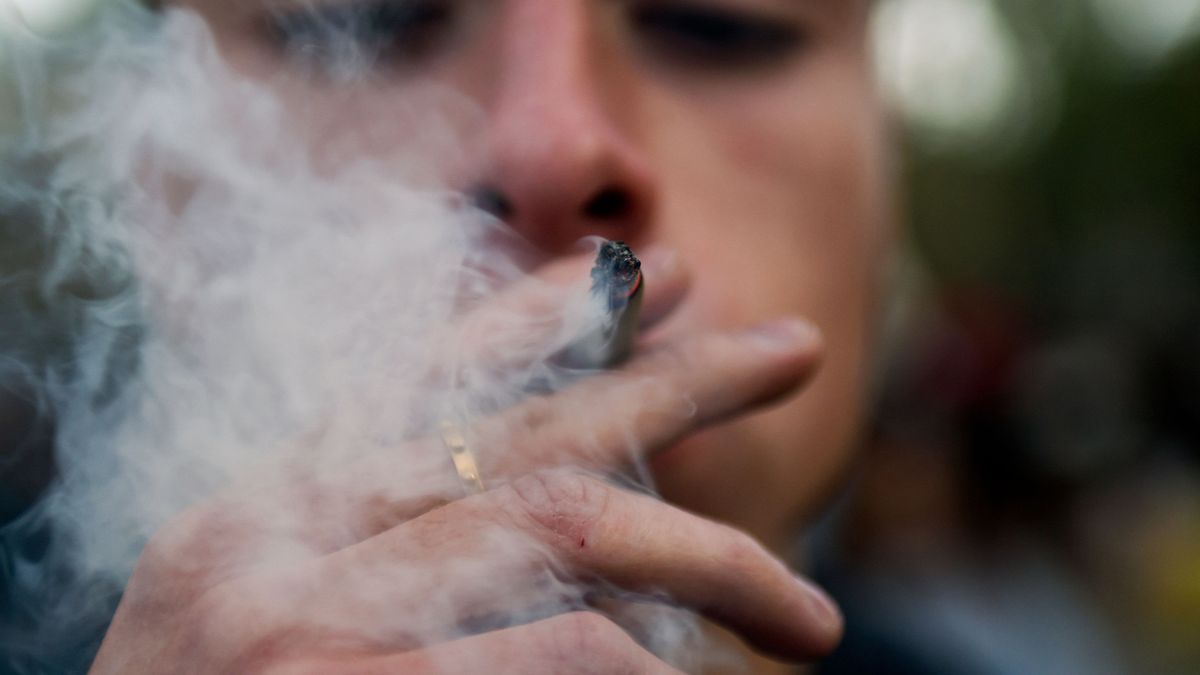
(742, 134)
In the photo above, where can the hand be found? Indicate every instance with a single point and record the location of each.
(370, 578)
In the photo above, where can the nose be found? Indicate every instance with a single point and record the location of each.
(558, 159)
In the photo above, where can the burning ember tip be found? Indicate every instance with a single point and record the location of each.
(617, 270)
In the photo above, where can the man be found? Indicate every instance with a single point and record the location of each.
(738, 146)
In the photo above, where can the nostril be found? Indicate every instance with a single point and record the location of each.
(491, 200)
(608, 204)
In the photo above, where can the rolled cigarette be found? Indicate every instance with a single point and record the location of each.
(617, 285)
(617, 277)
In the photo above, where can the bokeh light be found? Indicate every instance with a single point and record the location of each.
(1148, 31)
(954, 70)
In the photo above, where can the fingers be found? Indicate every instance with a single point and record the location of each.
(655, 401)
(651, 403)
(639, 543)
(579, 643)
(513, 547)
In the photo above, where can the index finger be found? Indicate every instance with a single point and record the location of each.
(607, 421)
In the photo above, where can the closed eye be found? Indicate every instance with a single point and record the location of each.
(695, 35)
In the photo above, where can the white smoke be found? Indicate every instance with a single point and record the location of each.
(200, 303)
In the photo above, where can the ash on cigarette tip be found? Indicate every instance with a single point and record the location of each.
(616, 267)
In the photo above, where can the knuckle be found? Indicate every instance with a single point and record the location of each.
(535, 412)
(219, 608)
(172, 541)
(568, 505)
(681, 358)
(181, 553)
(233, 619)
(740, 551)
(586, 637)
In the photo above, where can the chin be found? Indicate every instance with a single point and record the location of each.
(769, 473)
(710, 473)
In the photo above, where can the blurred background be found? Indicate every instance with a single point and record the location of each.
(1029, 497)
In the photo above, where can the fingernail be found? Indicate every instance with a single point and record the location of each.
(823, 608)
(783, 334)
(658, 261)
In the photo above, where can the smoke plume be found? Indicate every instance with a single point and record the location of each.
(199, 302)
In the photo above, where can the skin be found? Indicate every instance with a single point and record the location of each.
(757, 195)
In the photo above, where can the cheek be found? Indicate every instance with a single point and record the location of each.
(780, 210)
(779, 204)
